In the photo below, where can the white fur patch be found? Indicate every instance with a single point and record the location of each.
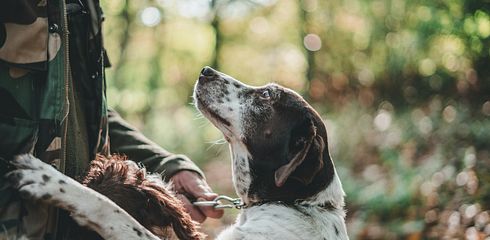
(333, 194)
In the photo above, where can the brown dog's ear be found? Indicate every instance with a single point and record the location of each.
(306, 156)
(164, 209)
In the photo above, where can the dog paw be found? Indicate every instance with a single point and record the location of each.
(33, 178)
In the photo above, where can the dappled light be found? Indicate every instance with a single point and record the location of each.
(403, 87)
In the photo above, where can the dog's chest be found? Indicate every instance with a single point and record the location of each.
(271, 221)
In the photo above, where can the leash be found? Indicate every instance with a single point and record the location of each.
(221, 202)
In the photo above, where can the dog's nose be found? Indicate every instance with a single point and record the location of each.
(208, 71)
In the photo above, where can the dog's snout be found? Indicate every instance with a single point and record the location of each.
(208, 71)
(207, 74)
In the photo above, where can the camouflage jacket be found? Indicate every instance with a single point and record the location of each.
(52, 104)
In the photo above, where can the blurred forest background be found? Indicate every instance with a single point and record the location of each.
(404, 87)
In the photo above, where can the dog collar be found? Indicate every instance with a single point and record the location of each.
(326, 206)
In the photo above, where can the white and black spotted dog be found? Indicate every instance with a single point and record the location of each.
(282, 168)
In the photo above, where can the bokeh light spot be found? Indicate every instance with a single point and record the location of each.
(462, 178)
(425, 125)
(469, 157)
(427, 67)
(454, 220)
(483, 21)
(471, 211)
(312, 42)
(438, 179)
(427, 188)
(472, 234)
(382, 121)
(485, 109)
(366, 77)
(450, 62)
(449, 114)
(151, 16)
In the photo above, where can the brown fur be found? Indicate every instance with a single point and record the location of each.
(147, 200)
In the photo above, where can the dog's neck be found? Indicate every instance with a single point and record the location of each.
(240, 170)
(332, 195)
(330, 198)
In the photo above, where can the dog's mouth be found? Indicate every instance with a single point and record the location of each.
(201, 104)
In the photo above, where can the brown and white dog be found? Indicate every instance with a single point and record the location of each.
(116, 200)
(282, 168)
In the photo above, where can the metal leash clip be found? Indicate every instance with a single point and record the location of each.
(218, 202)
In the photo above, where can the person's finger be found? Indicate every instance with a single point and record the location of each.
(204, 193)
(210, 211)
(195, 212)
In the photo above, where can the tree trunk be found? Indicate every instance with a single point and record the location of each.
(218, 35)
(128, 19)
(309, 55)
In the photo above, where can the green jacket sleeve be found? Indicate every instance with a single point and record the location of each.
(128, 141)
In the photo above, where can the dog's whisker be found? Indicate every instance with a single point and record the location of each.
(203, 124)
(218, 142)
(215, 143)
(198, 116)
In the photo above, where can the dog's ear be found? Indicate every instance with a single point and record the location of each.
(164, 209)
(305, 157)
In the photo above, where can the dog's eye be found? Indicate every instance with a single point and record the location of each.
(266, 95)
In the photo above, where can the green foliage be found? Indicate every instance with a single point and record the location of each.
(404, 87)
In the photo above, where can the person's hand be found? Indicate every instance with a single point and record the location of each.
(189, 184)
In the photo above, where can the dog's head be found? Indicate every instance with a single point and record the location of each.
(278, 141)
